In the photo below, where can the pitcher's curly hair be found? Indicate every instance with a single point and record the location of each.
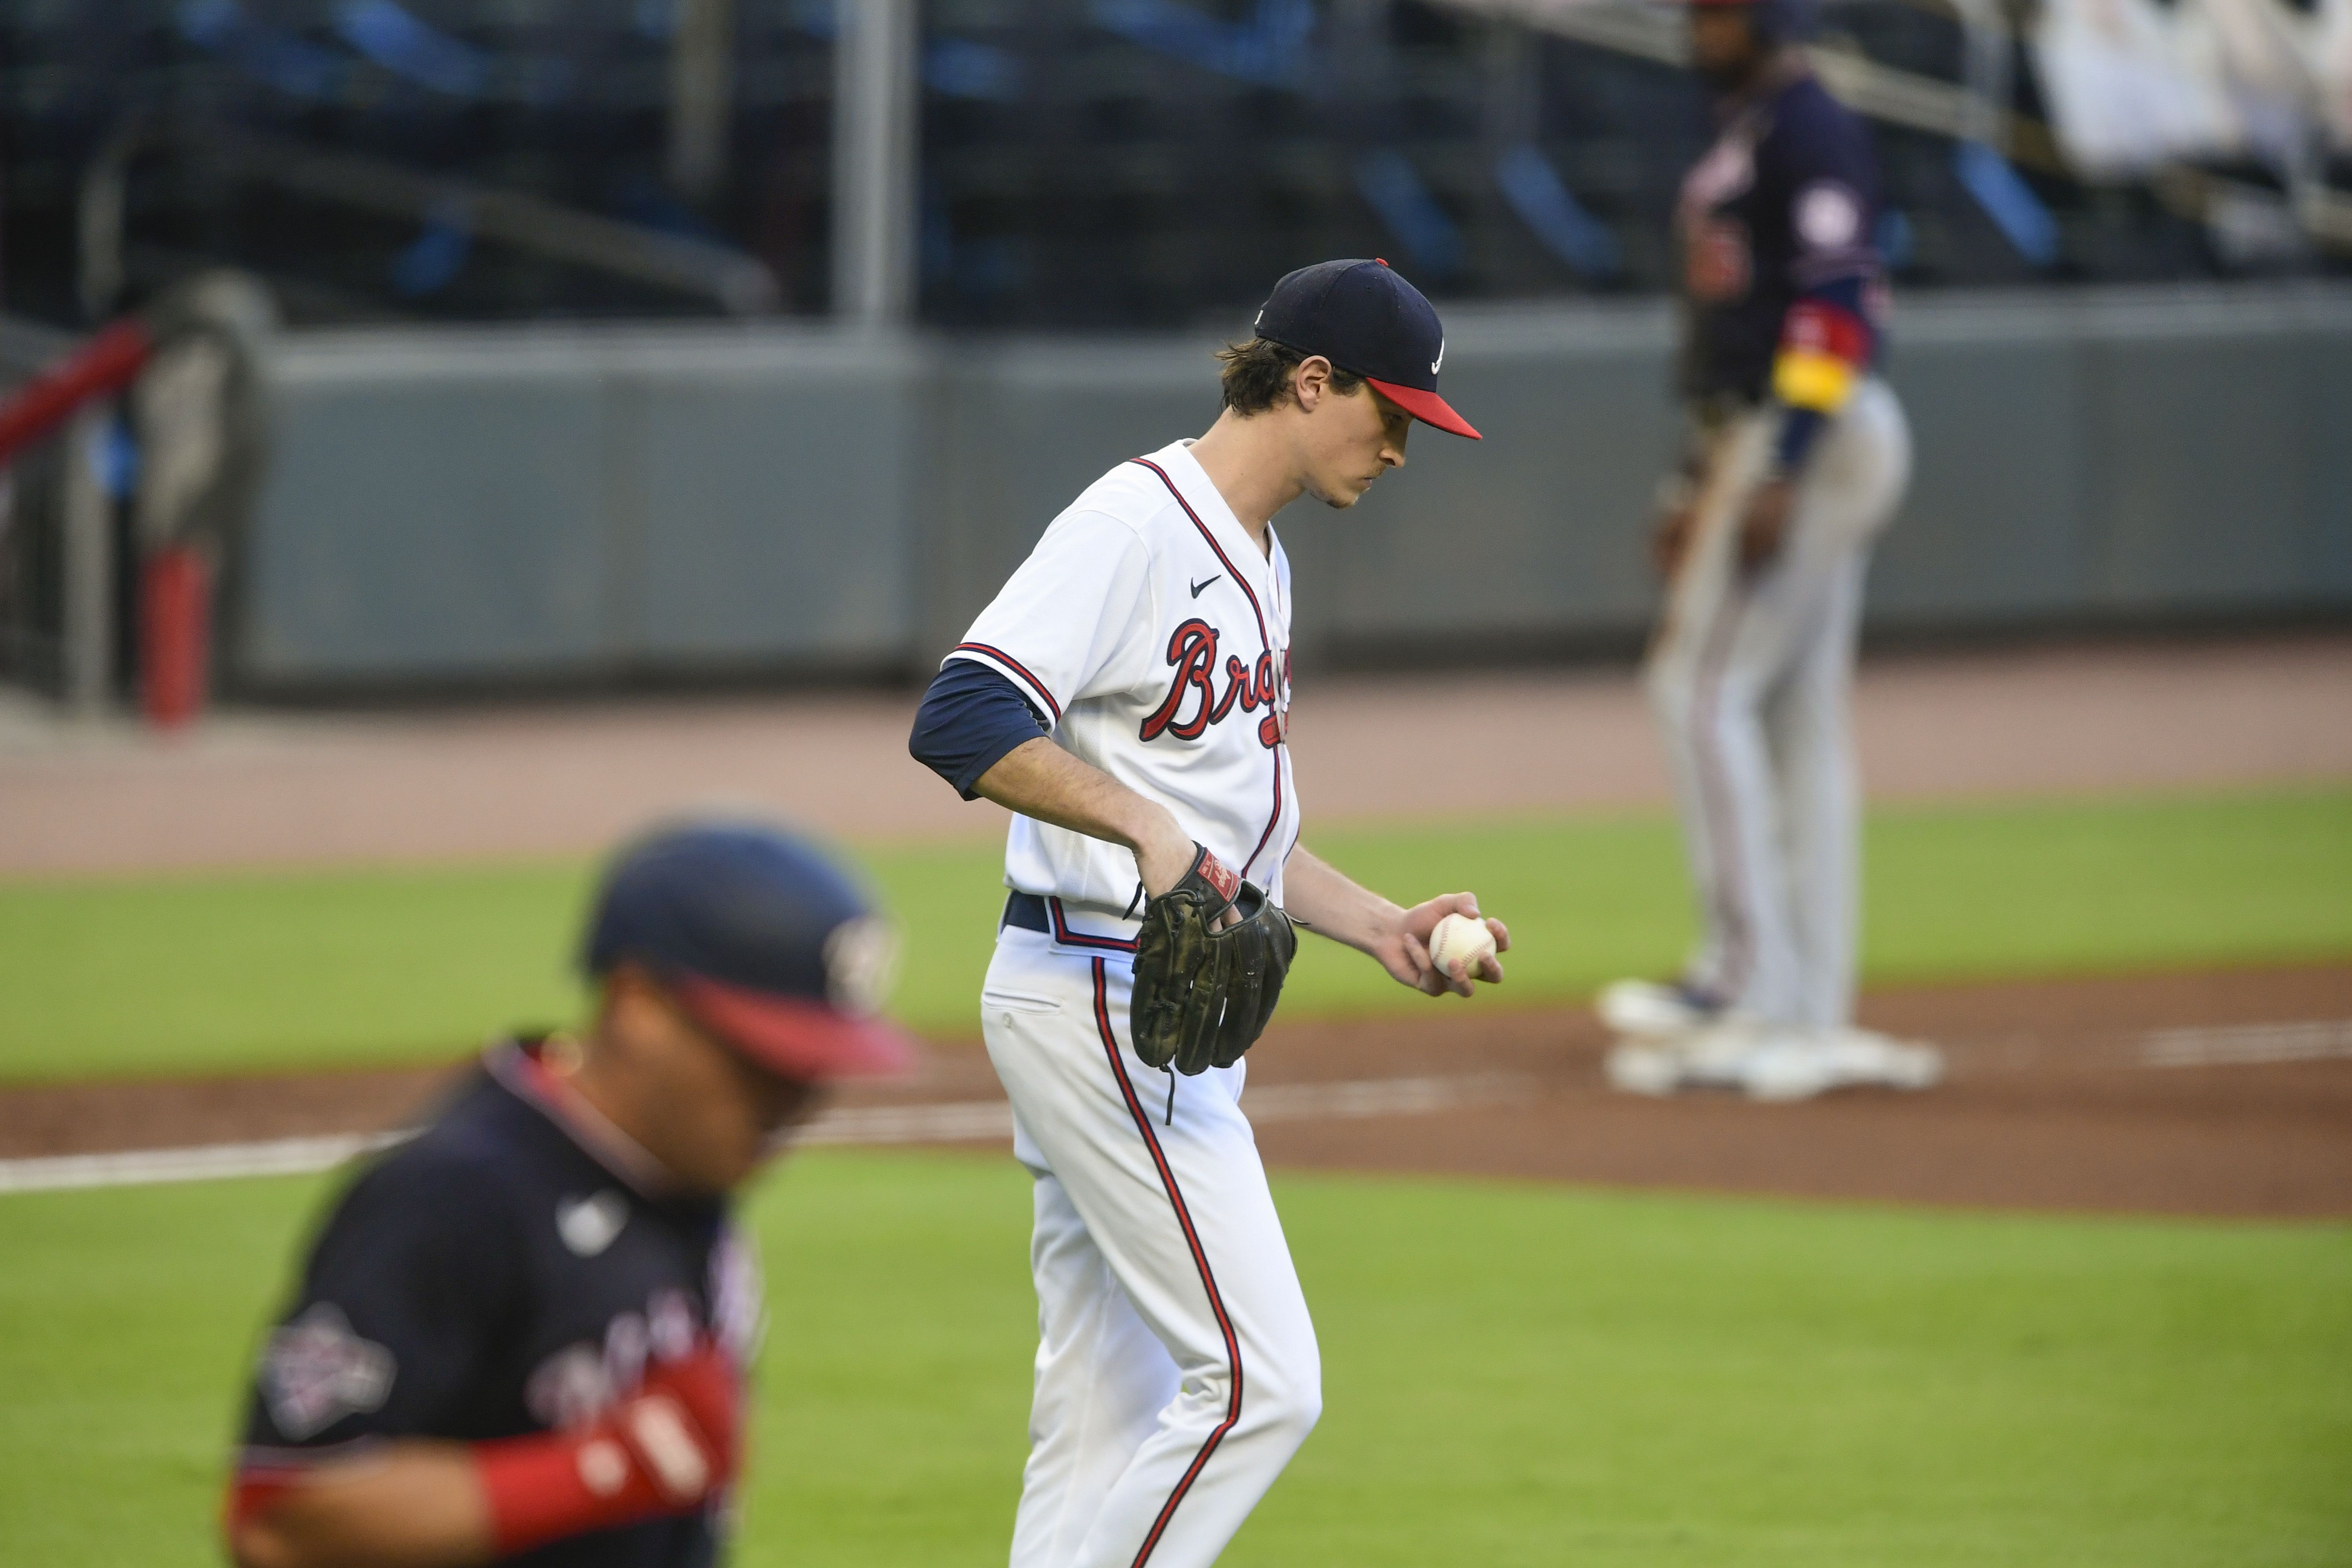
(1255, 375)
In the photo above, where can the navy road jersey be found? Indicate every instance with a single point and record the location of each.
(504, 1273)
(1776, 230)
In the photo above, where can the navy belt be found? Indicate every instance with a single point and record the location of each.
(1031, 912)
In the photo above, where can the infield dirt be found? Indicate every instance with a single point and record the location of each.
(2162, 1094)
(2058, 1096)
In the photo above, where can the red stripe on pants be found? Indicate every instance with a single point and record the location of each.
(1200, 1260)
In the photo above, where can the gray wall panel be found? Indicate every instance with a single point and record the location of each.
(1991, 526)
(517, 503)
(596, 502)
(2326, 365)
(416, 528)
(2204, 490)
(776, 519)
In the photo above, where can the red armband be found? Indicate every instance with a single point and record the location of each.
(666, 1450)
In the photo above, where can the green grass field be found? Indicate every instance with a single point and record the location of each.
(1513, 1374)
(225, 972)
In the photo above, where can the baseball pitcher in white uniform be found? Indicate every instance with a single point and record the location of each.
(1127, 695)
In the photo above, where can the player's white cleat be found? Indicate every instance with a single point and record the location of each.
(1797, 1066)
(1717, 1056)
(1770, 1064)
(1787, 1066)
(1866, 1056)
(1649, 1007)
(1651, 1066)
(1712, 1056)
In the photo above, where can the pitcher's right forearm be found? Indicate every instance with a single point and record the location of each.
(1040, 780)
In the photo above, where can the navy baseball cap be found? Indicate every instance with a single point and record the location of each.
(1367, 320)
(762, 940)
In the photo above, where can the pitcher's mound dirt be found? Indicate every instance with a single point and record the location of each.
(2072, 1094)
(2052, 1102)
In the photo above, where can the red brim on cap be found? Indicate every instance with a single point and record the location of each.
(1427, 408)
(799, 1039)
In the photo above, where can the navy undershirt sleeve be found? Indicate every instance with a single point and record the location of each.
(1799, 427)
(970, 717)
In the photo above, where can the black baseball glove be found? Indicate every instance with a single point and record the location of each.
(1203, 995)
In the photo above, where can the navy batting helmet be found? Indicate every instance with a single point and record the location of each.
(761, 937)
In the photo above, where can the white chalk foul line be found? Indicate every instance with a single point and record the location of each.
(1379, 1096)
(955, 1122)
(146, 1167)
(2243, 1045)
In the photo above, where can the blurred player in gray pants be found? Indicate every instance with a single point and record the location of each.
(1797, 458)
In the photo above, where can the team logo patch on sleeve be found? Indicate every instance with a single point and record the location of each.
(316, 1370)
(1829, 215)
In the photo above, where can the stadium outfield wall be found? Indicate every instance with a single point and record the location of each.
(502, 505)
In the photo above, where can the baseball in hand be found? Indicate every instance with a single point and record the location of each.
(1463, 937)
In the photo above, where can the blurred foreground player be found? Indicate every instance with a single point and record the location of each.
(1797, 457)
(522, 1335)
(1128, 695)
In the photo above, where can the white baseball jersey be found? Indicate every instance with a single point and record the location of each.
(1155, 637)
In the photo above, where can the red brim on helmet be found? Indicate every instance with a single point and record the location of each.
(1427, 408)
(793, 1037)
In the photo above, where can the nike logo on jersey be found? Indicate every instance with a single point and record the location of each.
(1203, 584)
(589, 1225)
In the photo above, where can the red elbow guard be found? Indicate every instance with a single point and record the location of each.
(667, 1449)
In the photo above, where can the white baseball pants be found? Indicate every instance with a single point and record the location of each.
(1751, 680)
(1177, 1369)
